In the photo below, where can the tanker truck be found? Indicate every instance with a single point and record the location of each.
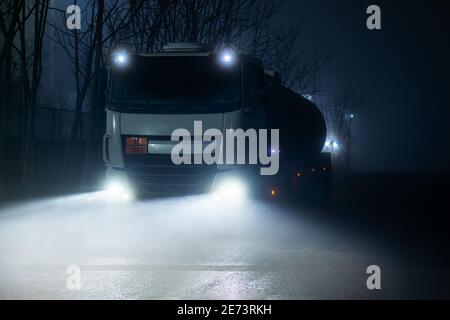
(152, 96)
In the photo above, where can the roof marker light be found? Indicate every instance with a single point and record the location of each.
(121, 58)
(227, 57)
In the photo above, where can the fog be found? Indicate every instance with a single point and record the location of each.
(191, 247)
(69, 230)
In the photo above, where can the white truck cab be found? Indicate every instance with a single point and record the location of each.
(151, 95)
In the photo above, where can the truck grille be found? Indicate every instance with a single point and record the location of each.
(156, 174)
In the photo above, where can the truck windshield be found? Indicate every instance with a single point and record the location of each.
(178, 84)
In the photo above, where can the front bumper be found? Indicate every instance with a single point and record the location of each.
(156, 175)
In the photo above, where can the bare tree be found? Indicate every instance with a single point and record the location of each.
(99, 23)
(9, 26)
(30, 51)
(301, 69)
(145, 25)
(340, 113)
(86, 50)
(79, 47)
(214, 22)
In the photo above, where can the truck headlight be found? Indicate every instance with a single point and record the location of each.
(231, 189)
(118, 191)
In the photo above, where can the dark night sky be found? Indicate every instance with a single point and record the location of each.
(401, 71)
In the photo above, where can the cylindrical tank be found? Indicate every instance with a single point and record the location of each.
(302, 126)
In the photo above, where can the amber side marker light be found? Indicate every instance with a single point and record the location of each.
(274, 193)
(137, 145)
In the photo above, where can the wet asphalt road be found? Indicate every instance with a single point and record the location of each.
(195, 248)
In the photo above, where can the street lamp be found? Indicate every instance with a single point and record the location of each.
(335, 145)
(332, 145)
